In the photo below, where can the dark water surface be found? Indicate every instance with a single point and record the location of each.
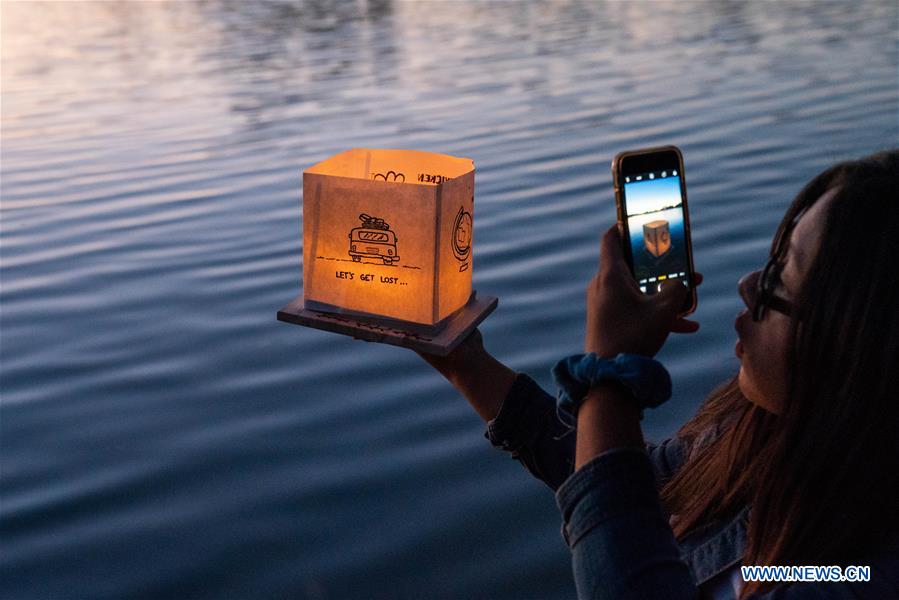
(163, 436)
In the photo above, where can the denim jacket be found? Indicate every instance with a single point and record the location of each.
(615, 526)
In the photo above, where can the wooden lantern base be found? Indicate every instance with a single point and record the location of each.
(452, 331)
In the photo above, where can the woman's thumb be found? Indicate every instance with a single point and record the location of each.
(673, 292)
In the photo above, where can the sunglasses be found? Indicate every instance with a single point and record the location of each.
(757, 288)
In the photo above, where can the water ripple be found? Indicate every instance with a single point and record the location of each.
(164, 436)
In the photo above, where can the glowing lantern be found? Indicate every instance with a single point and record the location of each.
(657, 237)
(387, 249)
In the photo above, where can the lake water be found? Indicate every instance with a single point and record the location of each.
(163, 436)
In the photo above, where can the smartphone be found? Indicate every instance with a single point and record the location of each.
(651, 196)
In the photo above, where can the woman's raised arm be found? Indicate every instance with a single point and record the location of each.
(521, 416)
(483, 380)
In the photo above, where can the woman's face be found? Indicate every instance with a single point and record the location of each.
(762, 346)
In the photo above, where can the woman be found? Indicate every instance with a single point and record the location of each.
(795, 461)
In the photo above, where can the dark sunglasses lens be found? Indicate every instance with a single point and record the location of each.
(757, 308)
(763, 289)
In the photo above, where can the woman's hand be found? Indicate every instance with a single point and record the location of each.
(621, 318)
(464, 358)
(484, 381)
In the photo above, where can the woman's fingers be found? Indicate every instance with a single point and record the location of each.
(682, 325)
(686, 325)
(464, 358)
(611, 256)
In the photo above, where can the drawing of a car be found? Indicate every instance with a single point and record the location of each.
(373, 241)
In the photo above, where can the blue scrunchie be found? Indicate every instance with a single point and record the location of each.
(646, 380)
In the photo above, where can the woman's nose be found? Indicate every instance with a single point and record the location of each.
(748, 286)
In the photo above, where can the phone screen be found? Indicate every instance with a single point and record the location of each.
(655, 222)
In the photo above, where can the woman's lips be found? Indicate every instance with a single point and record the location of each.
(738, 349)
(738, 322)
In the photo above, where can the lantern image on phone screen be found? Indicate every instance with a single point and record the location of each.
(656, 228)
(657, 237)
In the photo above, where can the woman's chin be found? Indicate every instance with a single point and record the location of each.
(752, 393)
(744, 381)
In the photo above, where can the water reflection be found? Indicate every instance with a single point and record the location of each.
(163, 435)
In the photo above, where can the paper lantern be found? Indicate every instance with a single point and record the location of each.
(388, 246)
(657, 237)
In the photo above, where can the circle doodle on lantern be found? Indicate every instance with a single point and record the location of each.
(462, 235)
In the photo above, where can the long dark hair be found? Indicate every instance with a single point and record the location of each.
(821, 477)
